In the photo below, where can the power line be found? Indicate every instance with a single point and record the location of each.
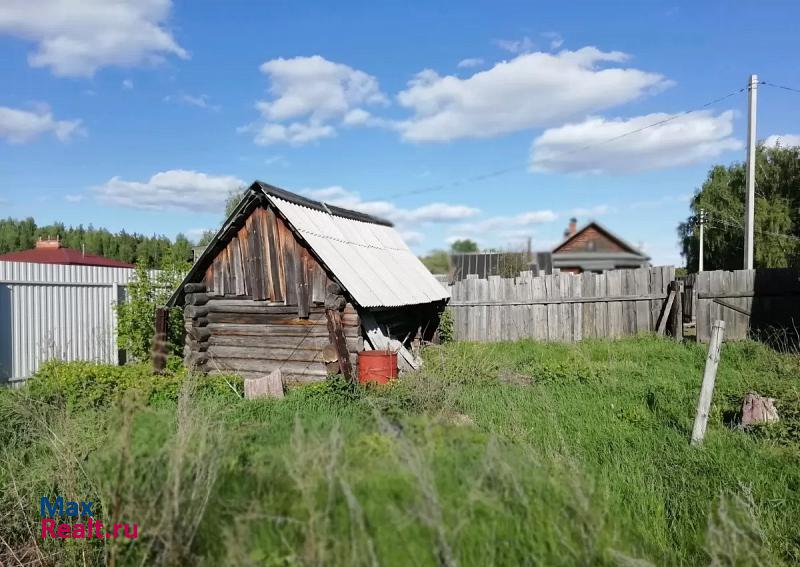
(779, 87)
(505, 170)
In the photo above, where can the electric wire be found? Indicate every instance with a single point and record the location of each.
(499, 172)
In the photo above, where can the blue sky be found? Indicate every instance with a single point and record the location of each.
(143, 115)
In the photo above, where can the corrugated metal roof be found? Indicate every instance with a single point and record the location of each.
(370, 260)
(64, 256)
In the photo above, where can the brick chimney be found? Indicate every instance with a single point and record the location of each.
(48, 243)
(572, 227)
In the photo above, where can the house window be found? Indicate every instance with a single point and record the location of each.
(591, 245)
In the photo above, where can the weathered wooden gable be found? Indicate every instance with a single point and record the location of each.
(264, 261)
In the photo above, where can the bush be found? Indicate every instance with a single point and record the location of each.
(446, 326)
(83, 385)
(137, 316)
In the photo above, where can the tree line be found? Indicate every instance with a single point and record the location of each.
(152, 251)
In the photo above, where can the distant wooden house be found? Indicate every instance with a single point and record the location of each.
(594, 248)
(295, 284)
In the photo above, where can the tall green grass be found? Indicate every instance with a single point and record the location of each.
(506, 454)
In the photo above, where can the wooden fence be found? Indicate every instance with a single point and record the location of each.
(560, 307)
(762, 304)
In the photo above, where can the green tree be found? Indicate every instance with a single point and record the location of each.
(437, 262)
(777, 214)
(464, 246)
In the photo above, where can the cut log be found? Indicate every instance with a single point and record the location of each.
(758, 409)
(318, 342)
(269, 386)
(221, 329)
(272, 353)
(263, 366)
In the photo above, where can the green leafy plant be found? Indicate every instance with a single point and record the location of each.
(446, 327)
(136, 316)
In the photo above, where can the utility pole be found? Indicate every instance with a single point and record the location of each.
(702, 222)
(750, 199)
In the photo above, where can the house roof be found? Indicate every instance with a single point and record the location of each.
(365, 254)
(599, 227)
(67, 256)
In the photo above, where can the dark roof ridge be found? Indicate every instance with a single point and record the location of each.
(271, 190)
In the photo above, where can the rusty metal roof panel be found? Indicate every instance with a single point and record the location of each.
(370, 260)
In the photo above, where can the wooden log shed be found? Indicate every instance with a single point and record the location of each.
(301, 285)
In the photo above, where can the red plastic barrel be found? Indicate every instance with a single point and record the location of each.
(378, 366)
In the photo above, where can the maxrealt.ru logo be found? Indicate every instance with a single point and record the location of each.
(89, 529)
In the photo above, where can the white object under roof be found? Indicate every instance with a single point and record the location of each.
(370, 260)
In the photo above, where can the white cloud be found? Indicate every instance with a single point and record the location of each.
(431, 213)
(515, 46)
(585, 147)
(173, 189)
(470, 62)
(201, 101)
(783, 140)
(20, 126)
(506, 223)
(532, 90)
(127, 84)
(555, 38)
(77, 37)
(309, 97)
(73, 198)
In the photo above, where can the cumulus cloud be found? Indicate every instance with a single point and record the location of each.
(77, 37)
(430, 213)
(309, 97)
(20, 126)
(470, 62)
(174, 189)
(782, 140)
(584, 147)
(506, 223)
(532, 90)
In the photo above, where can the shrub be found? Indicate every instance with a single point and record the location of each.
(83, 385)
(446, 327)
(137, 316)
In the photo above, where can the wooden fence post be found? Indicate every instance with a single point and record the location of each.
(159, 348)
(709, 376)
(676, 315)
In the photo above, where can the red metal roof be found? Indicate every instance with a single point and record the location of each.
(69, 256)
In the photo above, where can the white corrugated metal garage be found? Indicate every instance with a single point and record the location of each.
(57, 311)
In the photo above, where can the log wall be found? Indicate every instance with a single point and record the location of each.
(263, 261)
(252, 338)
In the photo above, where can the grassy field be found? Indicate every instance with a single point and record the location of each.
(508, 454)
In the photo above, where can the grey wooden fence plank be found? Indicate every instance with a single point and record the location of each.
(601, 309)
(553, 290)
(587, 318)
(614, 287)
(577, 308)
(641, 277)
(565, 310)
